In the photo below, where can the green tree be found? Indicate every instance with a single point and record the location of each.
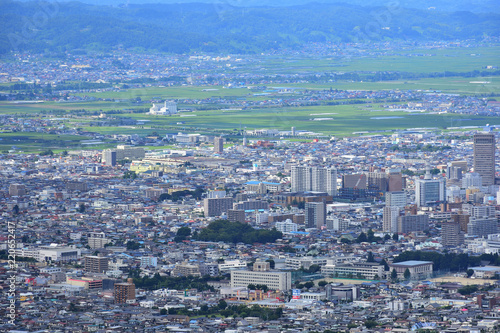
(394, 274)
(371, 258)
(131, 245)
(361, 238)
(81, 208)
(370, 235)
(222, 304)
(182, 234)
(72, 307)
(322, 283)
(470, 272)
(386, 265)
(370, 324)
(407, 274)
(271, 262)
(467, 290)
(395, 237)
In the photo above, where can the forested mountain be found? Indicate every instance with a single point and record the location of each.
(180, 28)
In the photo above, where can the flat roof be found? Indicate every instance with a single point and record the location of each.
(255, 182)
(412, 263)
(486, 269)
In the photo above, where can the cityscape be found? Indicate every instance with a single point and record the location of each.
(231, 166)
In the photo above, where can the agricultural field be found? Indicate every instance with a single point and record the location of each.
(432, 60)
(29, 142)
(217, 109)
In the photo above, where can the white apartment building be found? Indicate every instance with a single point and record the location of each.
(273, 280)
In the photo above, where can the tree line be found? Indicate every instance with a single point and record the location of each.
(236, 232)
(449, 262)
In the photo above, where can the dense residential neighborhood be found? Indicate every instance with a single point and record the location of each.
(361, 234)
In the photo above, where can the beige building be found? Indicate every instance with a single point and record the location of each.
(85, 282)
(97, 240)
(186, 269)
(367, 270)
(262, 274)
(418, 269)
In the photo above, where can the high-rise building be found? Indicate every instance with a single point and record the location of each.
(315, 214)
(484, 157)
(430, 191)
(317, 179)
(394, 180)
(324, 180)
(472, 179)
(390, 218)
(412, 223)
(377, 181)
(300, 178)
(397, 199)
(217, 206)
(109, 157)
(124, 292)
(236, 215)
(451, 235)
(218, 145)
(96, 264)
(482, 226)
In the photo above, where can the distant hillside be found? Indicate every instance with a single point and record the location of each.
(181, 28)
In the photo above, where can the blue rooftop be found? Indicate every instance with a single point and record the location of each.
(412, 263)
(256, 182)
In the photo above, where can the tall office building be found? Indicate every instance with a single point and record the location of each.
(484, 157)
(218, 145)
(109, 157)
(317, 179)
(315, 214)
(430, 191)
